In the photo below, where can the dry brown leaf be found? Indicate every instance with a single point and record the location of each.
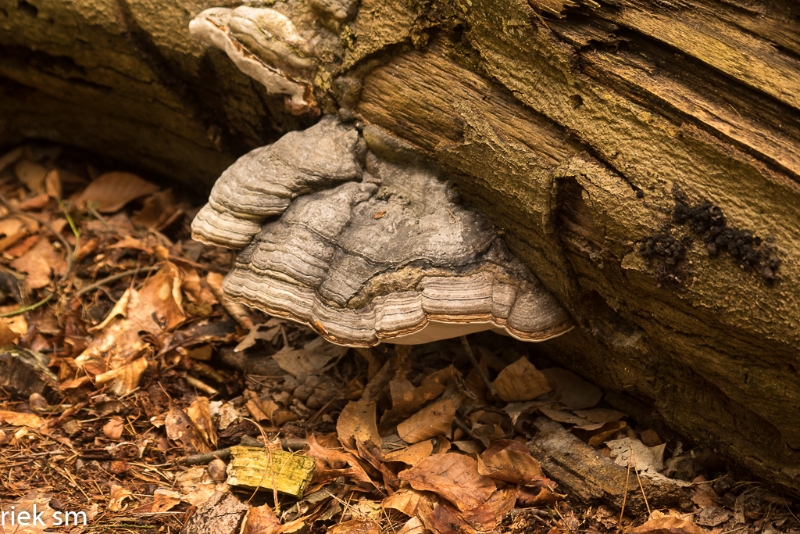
(563, 416)
(12, 230)
(660, 523)
(164, 501)
(521, 381)
(314, 358)
(407, 399)
(116, 496)
(39, 263)
(31, 174)
(529, 497)
(180, 429)
(11, 157)
(335, 461)
(36, 504)
(453, 476)
(600, 415)
(597, 437)
(570, 390)
(114, 428)
(52, 184)
(412, 526)
(123, 379)
(111, 191)
(23, 246)
(431, 421)
(34, 203)
(261, 520)
(29, 420)
(404, 501)
(357, 423)
(510, 461)
(200, 414)
(411, 455)
(157, 209)
(355, 526)
(7, 336)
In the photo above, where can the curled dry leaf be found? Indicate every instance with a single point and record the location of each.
(123, 379)
(31, 174)
(113, 429)
(158, 208)
(116, 496)
(314, 358)
(180, 428)
(407, 399)
(164, 500)
(261, 520)
(39, 263)
(111, 191)
(510, 461)
(200, 414)
(570, 390)
(453, 476)
(411, 455)
(647, 460)
(405, 501)
(356, 526)
(530, 497)
(660, 523)
(30, 420)
(412, 526)
(335, 461)
(431, 421)
(357, 423)
(521, 381)
(7, 336)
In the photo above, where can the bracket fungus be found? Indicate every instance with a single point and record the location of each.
(265, 45)
(356, 238)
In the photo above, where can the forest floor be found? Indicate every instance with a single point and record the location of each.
(134, 398)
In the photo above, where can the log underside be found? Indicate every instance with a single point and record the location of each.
(575, 128)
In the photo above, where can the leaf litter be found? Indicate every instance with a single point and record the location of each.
(171, 409)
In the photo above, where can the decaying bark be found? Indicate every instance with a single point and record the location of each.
(642, 158)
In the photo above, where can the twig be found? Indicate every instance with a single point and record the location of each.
(114, 277)
(31, 307)
(477, 367)
(625, 496)
(639, 480)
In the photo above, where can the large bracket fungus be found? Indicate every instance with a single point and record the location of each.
(265, 45)
(365, 246)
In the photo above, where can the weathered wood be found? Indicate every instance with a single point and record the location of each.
(576, 128)
(256, 467)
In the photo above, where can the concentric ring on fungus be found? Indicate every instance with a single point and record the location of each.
(364, 249)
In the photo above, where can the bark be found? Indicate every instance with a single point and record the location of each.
(577, 127)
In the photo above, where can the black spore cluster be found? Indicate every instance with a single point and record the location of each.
(671, 251)
(707, 221)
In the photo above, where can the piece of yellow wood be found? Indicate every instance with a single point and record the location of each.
(255, 467)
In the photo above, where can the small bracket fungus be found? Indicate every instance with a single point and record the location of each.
(366, 248)
(265, 45)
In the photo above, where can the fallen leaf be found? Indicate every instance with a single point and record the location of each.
(357, 423)
(113, 429)
(37, 504)
(261, 520)
(520, 381)
(411, 455)
(31, 174)
(431, 421)
(314, 358)
(407, 399)
(164, 500)
(335, 461)
(111, 191)
(180, 429)
(39, 263)
(30, 420)
(453, 476)
(157, 209)
(529, 497)
(510, 461)
(600, 415)
(570, 390)
(404, 501)
(647, 460)
(563, 416)
(712, 516)
(116, 496)
(355, 526)
(34, 203)
(7, 336)
(412, 526)
(200, 415)
(123, 379)
(597, 437)
(666, 524)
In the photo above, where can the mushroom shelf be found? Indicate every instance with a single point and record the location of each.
(358, 239)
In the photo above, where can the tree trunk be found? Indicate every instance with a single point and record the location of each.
(593, 134)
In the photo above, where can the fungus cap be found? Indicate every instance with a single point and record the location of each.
(367, 250)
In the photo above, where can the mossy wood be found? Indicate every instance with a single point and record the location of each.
(256, 467)
(643, 159)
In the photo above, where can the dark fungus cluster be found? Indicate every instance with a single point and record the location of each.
(707, 221)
